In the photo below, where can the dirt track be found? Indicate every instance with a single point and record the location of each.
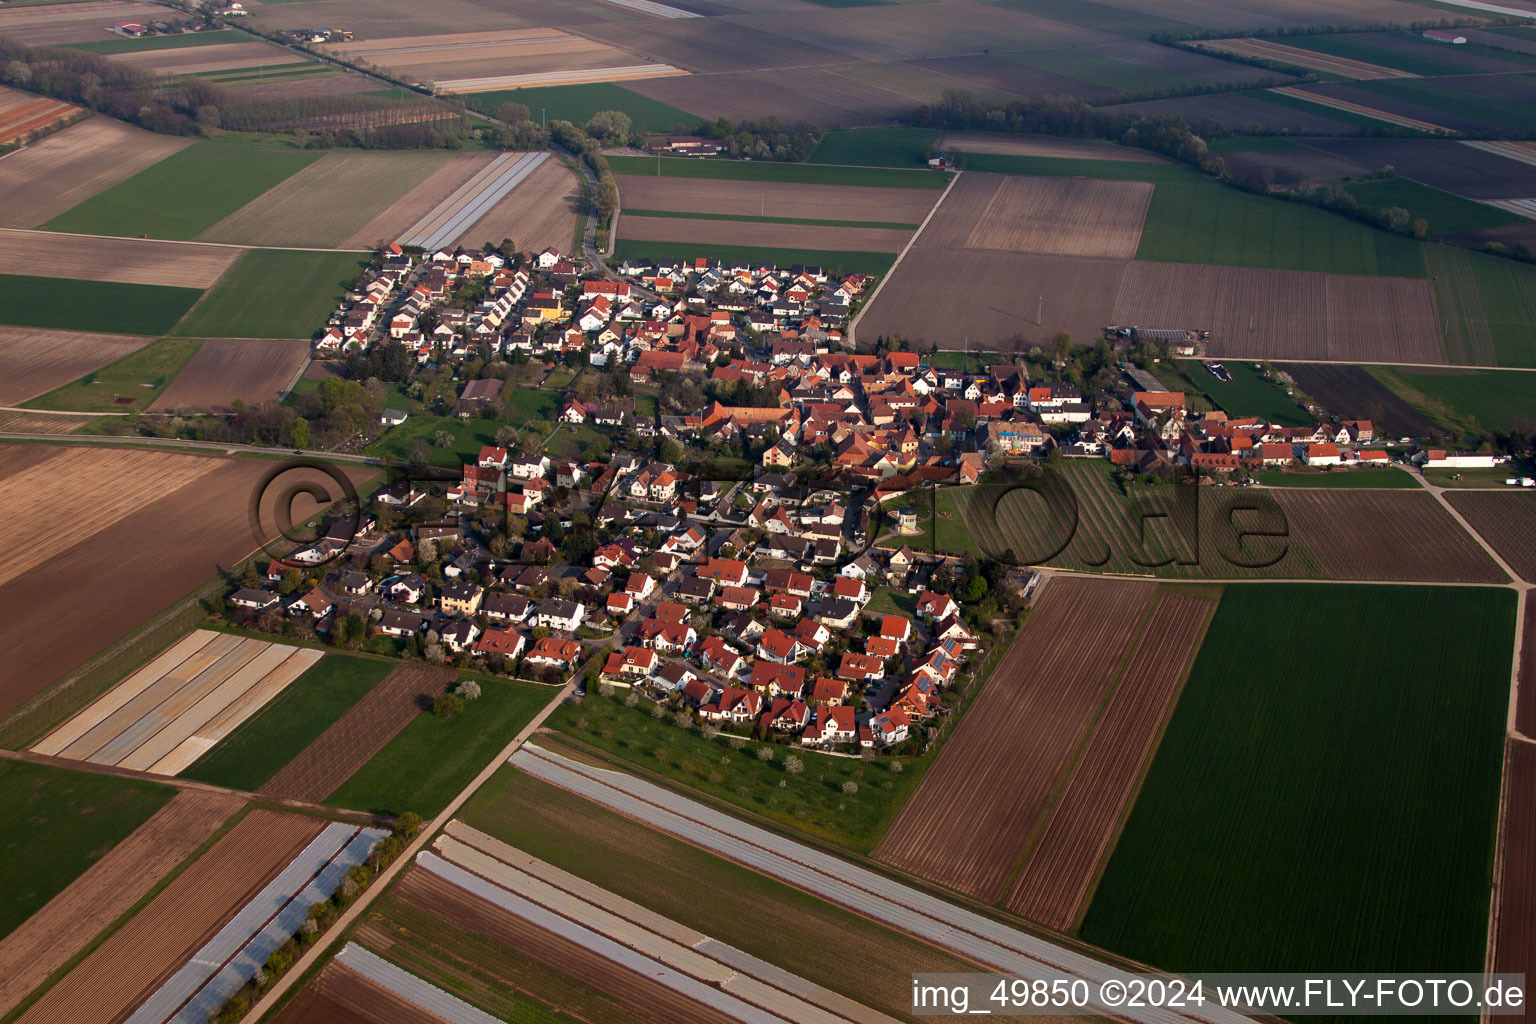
(357, 735)
(107, 890)
(969, 821)
(1078, 834)
(138, 957)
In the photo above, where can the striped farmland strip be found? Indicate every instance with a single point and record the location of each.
(410, 988)
(1298, 93)
(467, 205)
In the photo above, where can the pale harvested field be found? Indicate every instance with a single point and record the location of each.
(329, 201)
(42, 180)
(226, 369)
(787, 236)
(40, 423)
(939, 294)
(179, 706)
(108, 889)
(34, 361)
(1264, 49)
(137, 958)
(557, 76)
(409, 208)
(1045, 145)
(129, 260)
(452, 59)
(191, 60)
(974, 813)
(1334, 103)
(155, 556)
(1054, 216)
(775, 199)
(540, 212)
(36, 503)
(23, 113)
(816, 95)
(72, 23)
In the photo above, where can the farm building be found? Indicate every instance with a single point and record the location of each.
(1440, 35)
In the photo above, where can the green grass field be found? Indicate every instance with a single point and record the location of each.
(1446, 213)
(1506, 116)
(139, 376)
(1425, 58)
(55, 824)
(811, 802)
(577, 104)
(1344, 117)
(433, 758)
(1248, 393)
(749, 219)
(469, 436)
(274, 293)
(876, 147)
(1469, 400)
(1203, 222)
(176, 42)
(832, 261)
(277, 733)
(1374, 477)
(1488, 304)
(801, 174)
(186, 193)
(109, 307)
(1321, 801)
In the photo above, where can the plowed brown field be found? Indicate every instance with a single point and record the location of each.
(1060, 216)
(130, 260)
(1296, 57)
(1044, 145)
(43, 180)
(1525, 708)
(735, 232)
(128, 966)
(974, 813)
(72, 23)
(539, 213)
(226, 369)
(340, 996)
(419, 201)
(1078, 834)
(34, 361)
(107, 890)
(357, 735)
(1384, 535)
(40, 423)
(776, 199)
(1516, 936)
(1507, 521)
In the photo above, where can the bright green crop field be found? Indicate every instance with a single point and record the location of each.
(108, 307)
(274, 293)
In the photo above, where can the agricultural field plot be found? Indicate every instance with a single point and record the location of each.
(1506, 520)
(937, 294)
(799, 174)
(813, 95)
(1350, 392)
(1469, 400)
(1280, 53)
(58, 824)
(640, 229)
(972, 818)
(1515, 938)
(480, 61)
(345, 997)
(106, 890)
(1056, 880)
(361, 732)
(71, 23)
(156, 203)
(48, 177)
(1410, 52)
(1059, 216)
(41, 423)
(106, 307)
(833, 261)
(1488, 304)
(330, 201)
(577, 104)
(274, 293)
(1500, 104)
(775, 200)
(126, 386)
(125, 260)
(199, 60)
(1043, 146)
(183, 703)
(472, 200)
(1284, 161)
(134, 960)
(1445, 214)
(170, 545)
(33, 362)
(125, 44)
(714, 45)
(1462, 168)
(1243, 109)
(1230, 859)
(223, 370)
(391, 222)
(541, 212)
(1525, 706)
(23, 114)
(876, 147)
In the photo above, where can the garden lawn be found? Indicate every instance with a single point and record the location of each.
(832, 261)
(1247, 394)
(274, 293)
(186, 193)
(1327, 792)
(469, 436)
(1470, 400)
(138, 377)
(876, 147)
(577, 104)
(433, 758)
(109, 307)
(812, 801)
(55, 823)
(1445, 213)
(276, 734)
(804, 174)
